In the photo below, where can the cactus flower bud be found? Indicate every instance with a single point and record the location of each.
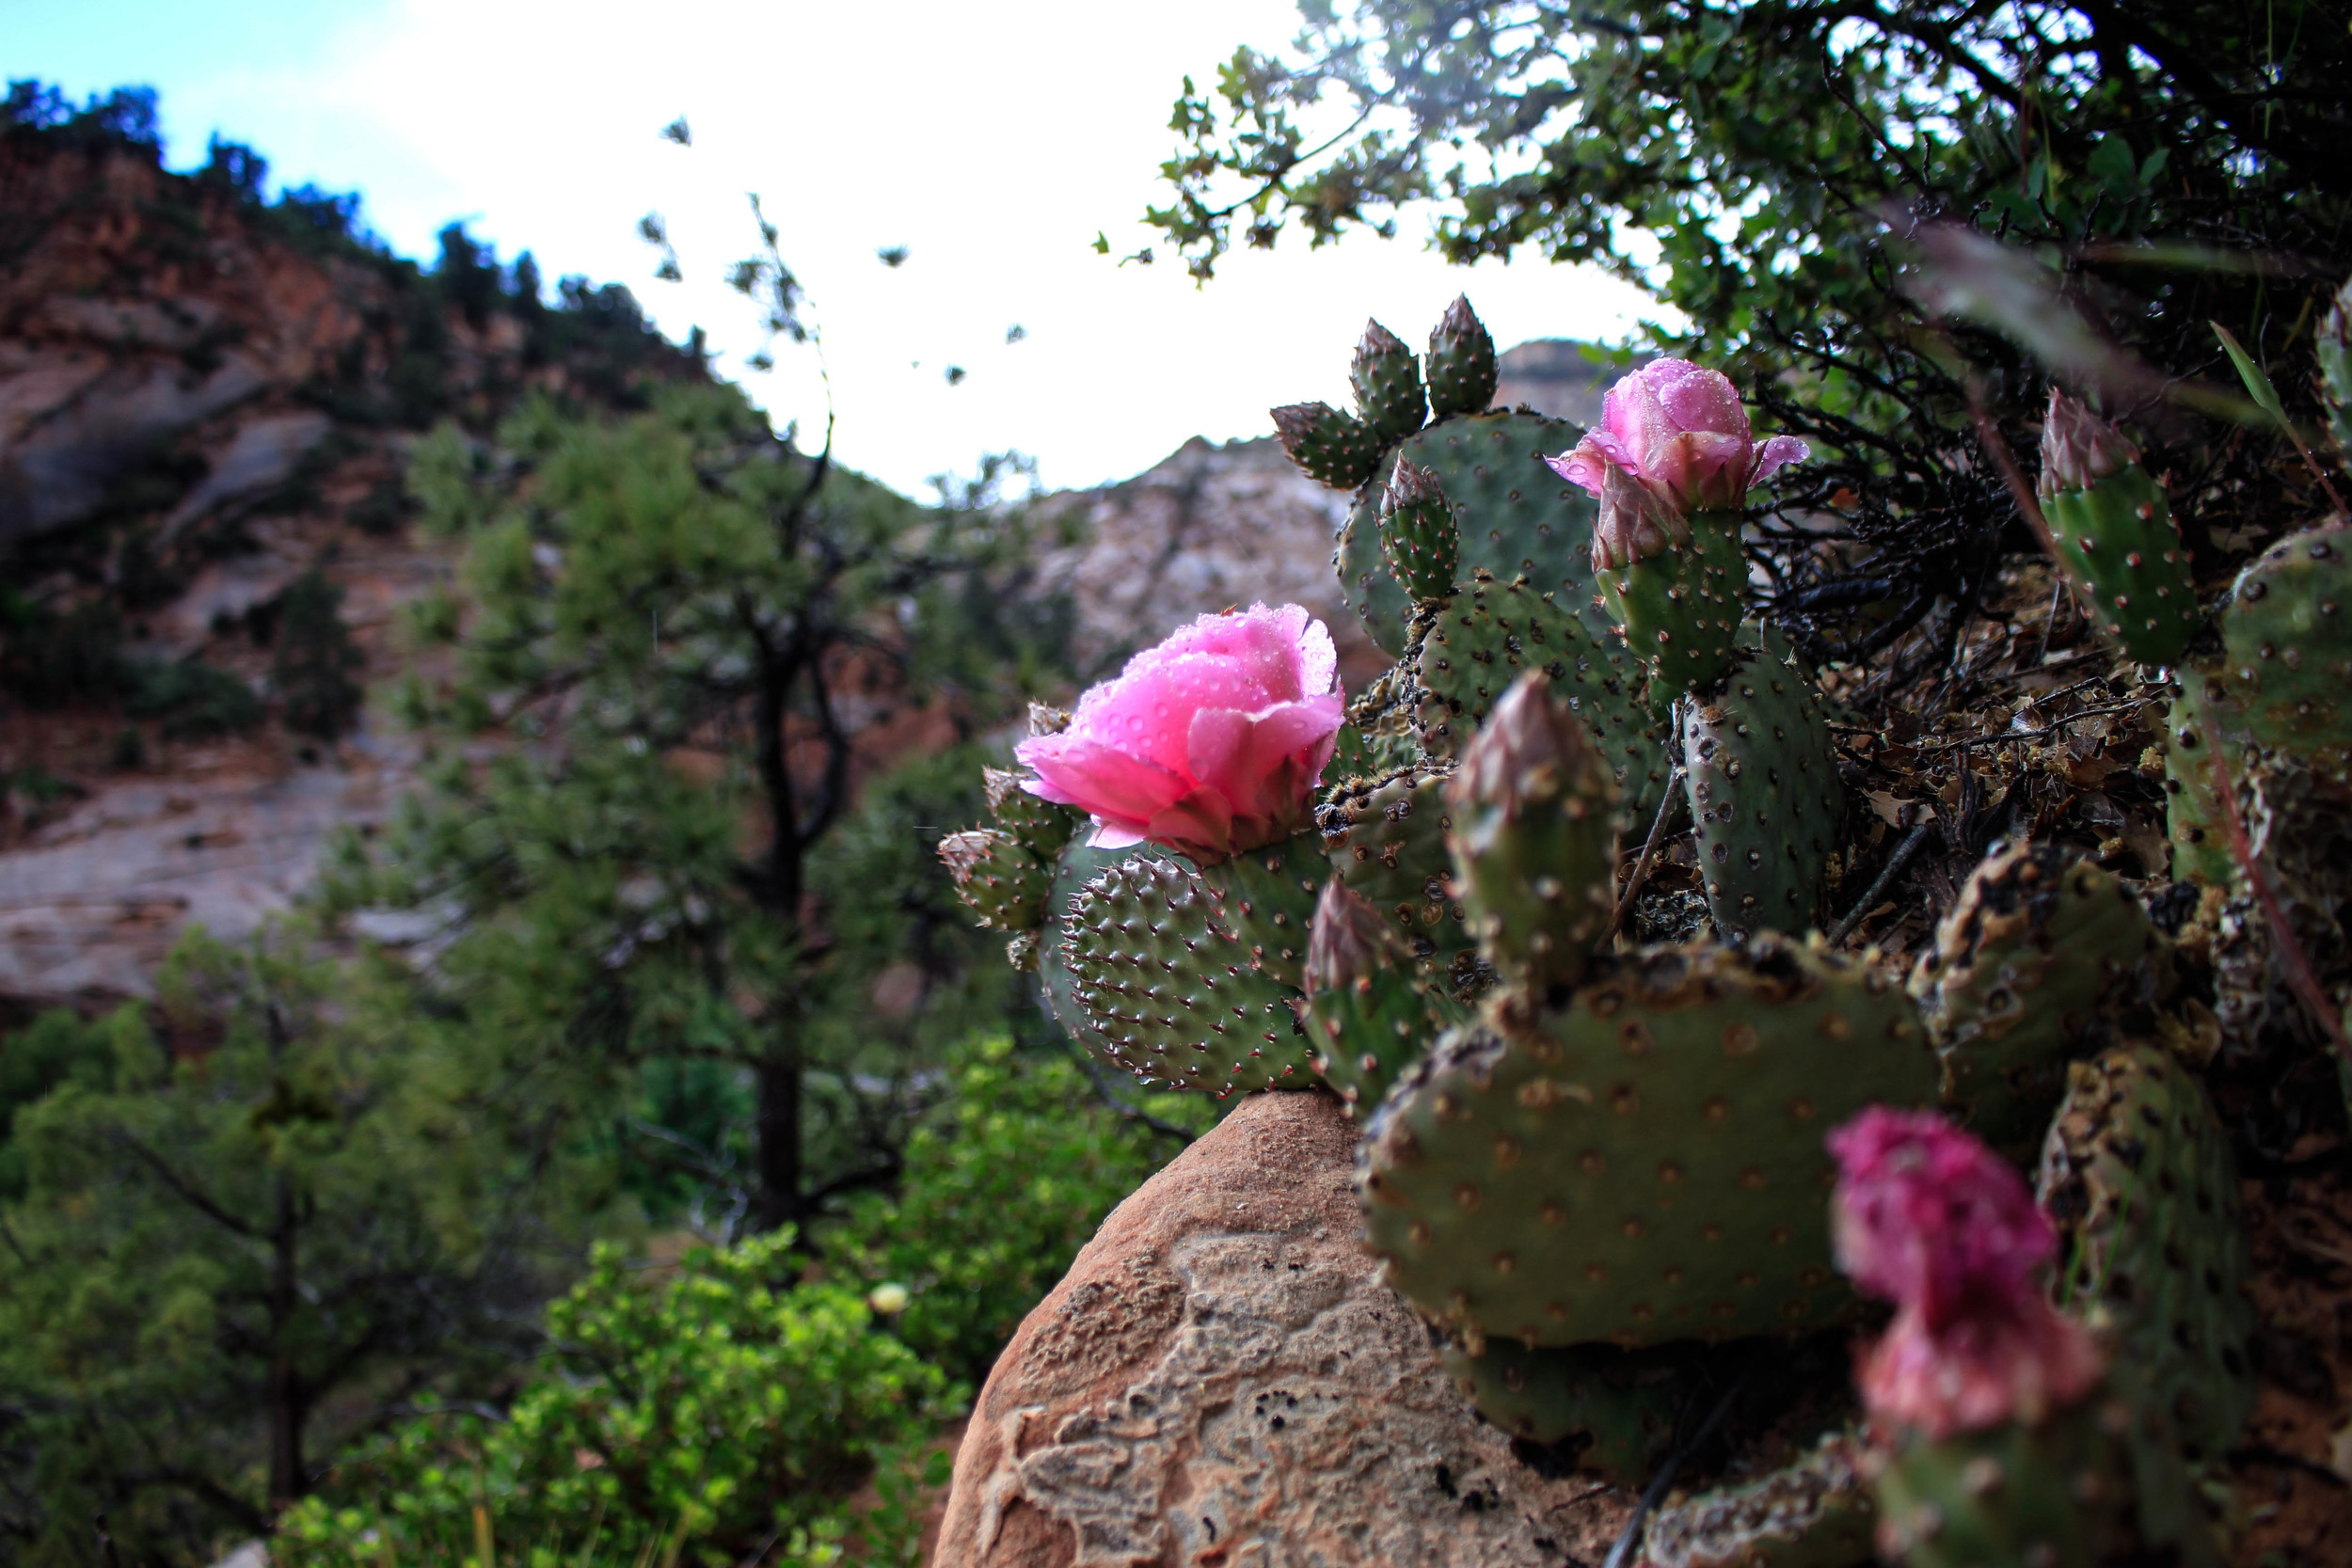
(1682, 430)
(1331, 448)
(1932, 1219)
(2079, 447)
(1347, 942)
(1461, 362)
(1635, 521)
(1386, 380)
(1211, 743)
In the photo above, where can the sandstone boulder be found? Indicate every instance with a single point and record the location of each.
(1223, 1381)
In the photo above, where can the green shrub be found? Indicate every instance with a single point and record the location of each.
(705, 1416)
(316, 656)
(195, 701)
(1003, 1182)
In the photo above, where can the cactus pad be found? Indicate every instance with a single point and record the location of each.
(2035, 965)
(1764, 792)
(1168, 992)
(1368, 1013)
(1678, 610)
(1645, 1164)
(1042, 826)
(1534, 842)
(1460, 364)
(1515, 515)
(1814, 1513)
(1387, 382)
(997, 878)
(2137, 1176)
(2287, 649)
(1331, 448)
(1419, 538)
(1266, 897)
(1616, 1409)
(1465, 653)
(1385, 841)
(2123, 554)
(2094, 1486)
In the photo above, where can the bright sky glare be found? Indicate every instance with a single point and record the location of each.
(992, 142)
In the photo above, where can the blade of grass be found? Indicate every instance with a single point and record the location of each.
(2266, 397)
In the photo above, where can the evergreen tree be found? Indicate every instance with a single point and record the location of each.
(250, 1224)
(680, 622)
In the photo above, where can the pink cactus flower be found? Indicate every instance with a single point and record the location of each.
(1683, 431)
(1211, 743)
(1932, 1219)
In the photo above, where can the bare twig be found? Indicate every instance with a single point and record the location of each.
(1640, 866)
(1895, 865)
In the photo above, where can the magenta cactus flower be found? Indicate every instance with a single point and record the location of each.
(1681, 431)
(1211, 743)
(1930, 1218)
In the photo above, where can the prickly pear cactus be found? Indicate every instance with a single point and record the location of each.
(2138, 1178)
(1330, 447)
(1417, 535)
(1678, 610)
(1533, 843)
(2286, 662)
(997, 878)
(1266, 897)
(2095, 1486)
(2035, 966)
(1168, 992)
(1465, 652)
(1814, 1513)
(1460, 364)
(1387, 382)
(1386, 839)
(1368, 1011)
(1765, 794)
(1615, 1410)
(2334, 353)
(2125, 553)
(1514, 516)
(1645, 1162)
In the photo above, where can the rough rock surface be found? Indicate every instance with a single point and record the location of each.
(1222, 1380)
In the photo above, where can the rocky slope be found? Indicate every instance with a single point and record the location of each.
(204, 398)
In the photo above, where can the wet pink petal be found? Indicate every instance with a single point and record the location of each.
(1680, 428)
(1211, 742)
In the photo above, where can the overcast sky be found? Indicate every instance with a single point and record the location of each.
(992, 142)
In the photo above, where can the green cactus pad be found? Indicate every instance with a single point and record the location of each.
(1461, 362)
(1817, 1512)
(1419, 538)
(1615, 1409)
(2097, 1486)
(1678, 610)
(1385, 379)
(997, 878)
(1764, 792)
(2287, 650)
(2333, 351)
(2192, 816)
(1465, 653)
(1365, 1033)
(1385, 840)
(1078, 863)
(1515, 515)
(1535, 843)
(2123, 555)
(1266, 897)
(1646, 1163)
(2035, 966)
(2137, 1176)
(1331, 448)
(1040, 825)
(1168, 992)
